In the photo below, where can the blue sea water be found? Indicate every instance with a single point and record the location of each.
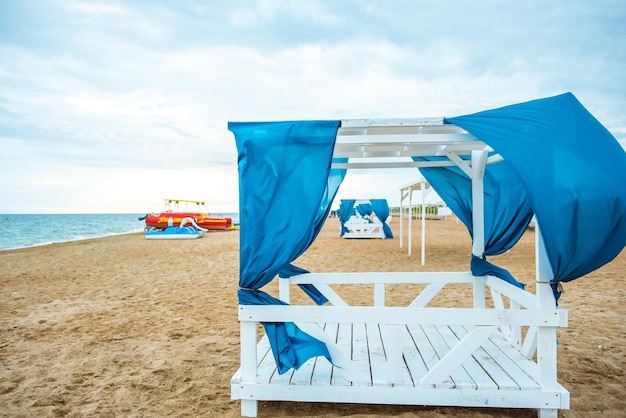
(19, 231)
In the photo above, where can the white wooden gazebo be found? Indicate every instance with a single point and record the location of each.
(503, 355)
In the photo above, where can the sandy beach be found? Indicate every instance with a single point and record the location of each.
(125, 327)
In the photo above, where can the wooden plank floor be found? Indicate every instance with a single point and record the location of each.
(495, 365)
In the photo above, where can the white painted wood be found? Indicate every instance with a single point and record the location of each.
(383, 277)
(548, 413)
(423, 190)
(379, 294)
(339, 356)
(330, 294)
(410, 243)
(403, 194)
(283, 290)
(248, 334)
(427, 295)
(546, 335)
(392, 335)
(479, 160)
(478, 292)
(382, 354)
(525, 299)
(529, 346)
(398, 315)
(457, 354)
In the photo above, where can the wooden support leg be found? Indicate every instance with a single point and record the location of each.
(249, 408)
(548, 413)
(248, 330)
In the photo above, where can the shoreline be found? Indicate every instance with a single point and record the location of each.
(120, 325)
(114, 234)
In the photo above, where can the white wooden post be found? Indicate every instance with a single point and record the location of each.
(248, 330)
(401, 215)
(479, 161)
(546, 336)
(422, 189)
(284, 293)
(410, 240)
(379, 294)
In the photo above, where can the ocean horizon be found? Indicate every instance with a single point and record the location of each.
(31, 230)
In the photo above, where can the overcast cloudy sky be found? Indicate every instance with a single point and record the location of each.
(111, 106)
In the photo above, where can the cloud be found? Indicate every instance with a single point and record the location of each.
(106, 98)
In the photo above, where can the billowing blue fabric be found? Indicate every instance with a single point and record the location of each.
(364, 209)
(284, 172)
(291, 347)
(507, 205)
(346, 210)
(335, 179)
(482, 267)
(574, 172)
(381, 209)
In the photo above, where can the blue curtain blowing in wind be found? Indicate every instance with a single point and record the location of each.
(574, 172)
(285, 194)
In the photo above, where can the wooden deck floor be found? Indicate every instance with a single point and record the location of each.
(496, 374)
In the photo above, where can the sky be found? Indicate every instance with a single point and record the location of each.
(112, 106)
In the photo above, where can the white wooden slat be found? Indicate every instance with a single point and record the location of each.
(304, 374)
(429, 355)
(281, 379)
(392, 340)
(501, 379)
(377, 357)
(330, 294)
(340, 351)
(391, 164)
(323, 371)
(520, 369)
(525, 299)
(360, 354)
(427, 295)
(344, 345)
(554, 398)
(416, 367)
(475, 370)
(499, 304)
(379, 294)
(267, 365)
(451, 358)
(398, 315)
(516, 330)
(530, 343)
(382, 277)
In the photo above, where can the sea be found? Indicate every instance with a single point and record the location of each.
(29, 230)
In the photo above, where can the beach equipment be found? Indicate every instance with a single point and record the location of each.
(364, 218)
(194, 209)
(494, 169)
(186, 229)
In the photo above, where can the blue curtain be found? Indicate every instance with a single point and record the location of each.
(507, 209)
(277, 162)
(381, 209)
(574, 172)
(364, 209)
(346, 210)
(334, 181)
